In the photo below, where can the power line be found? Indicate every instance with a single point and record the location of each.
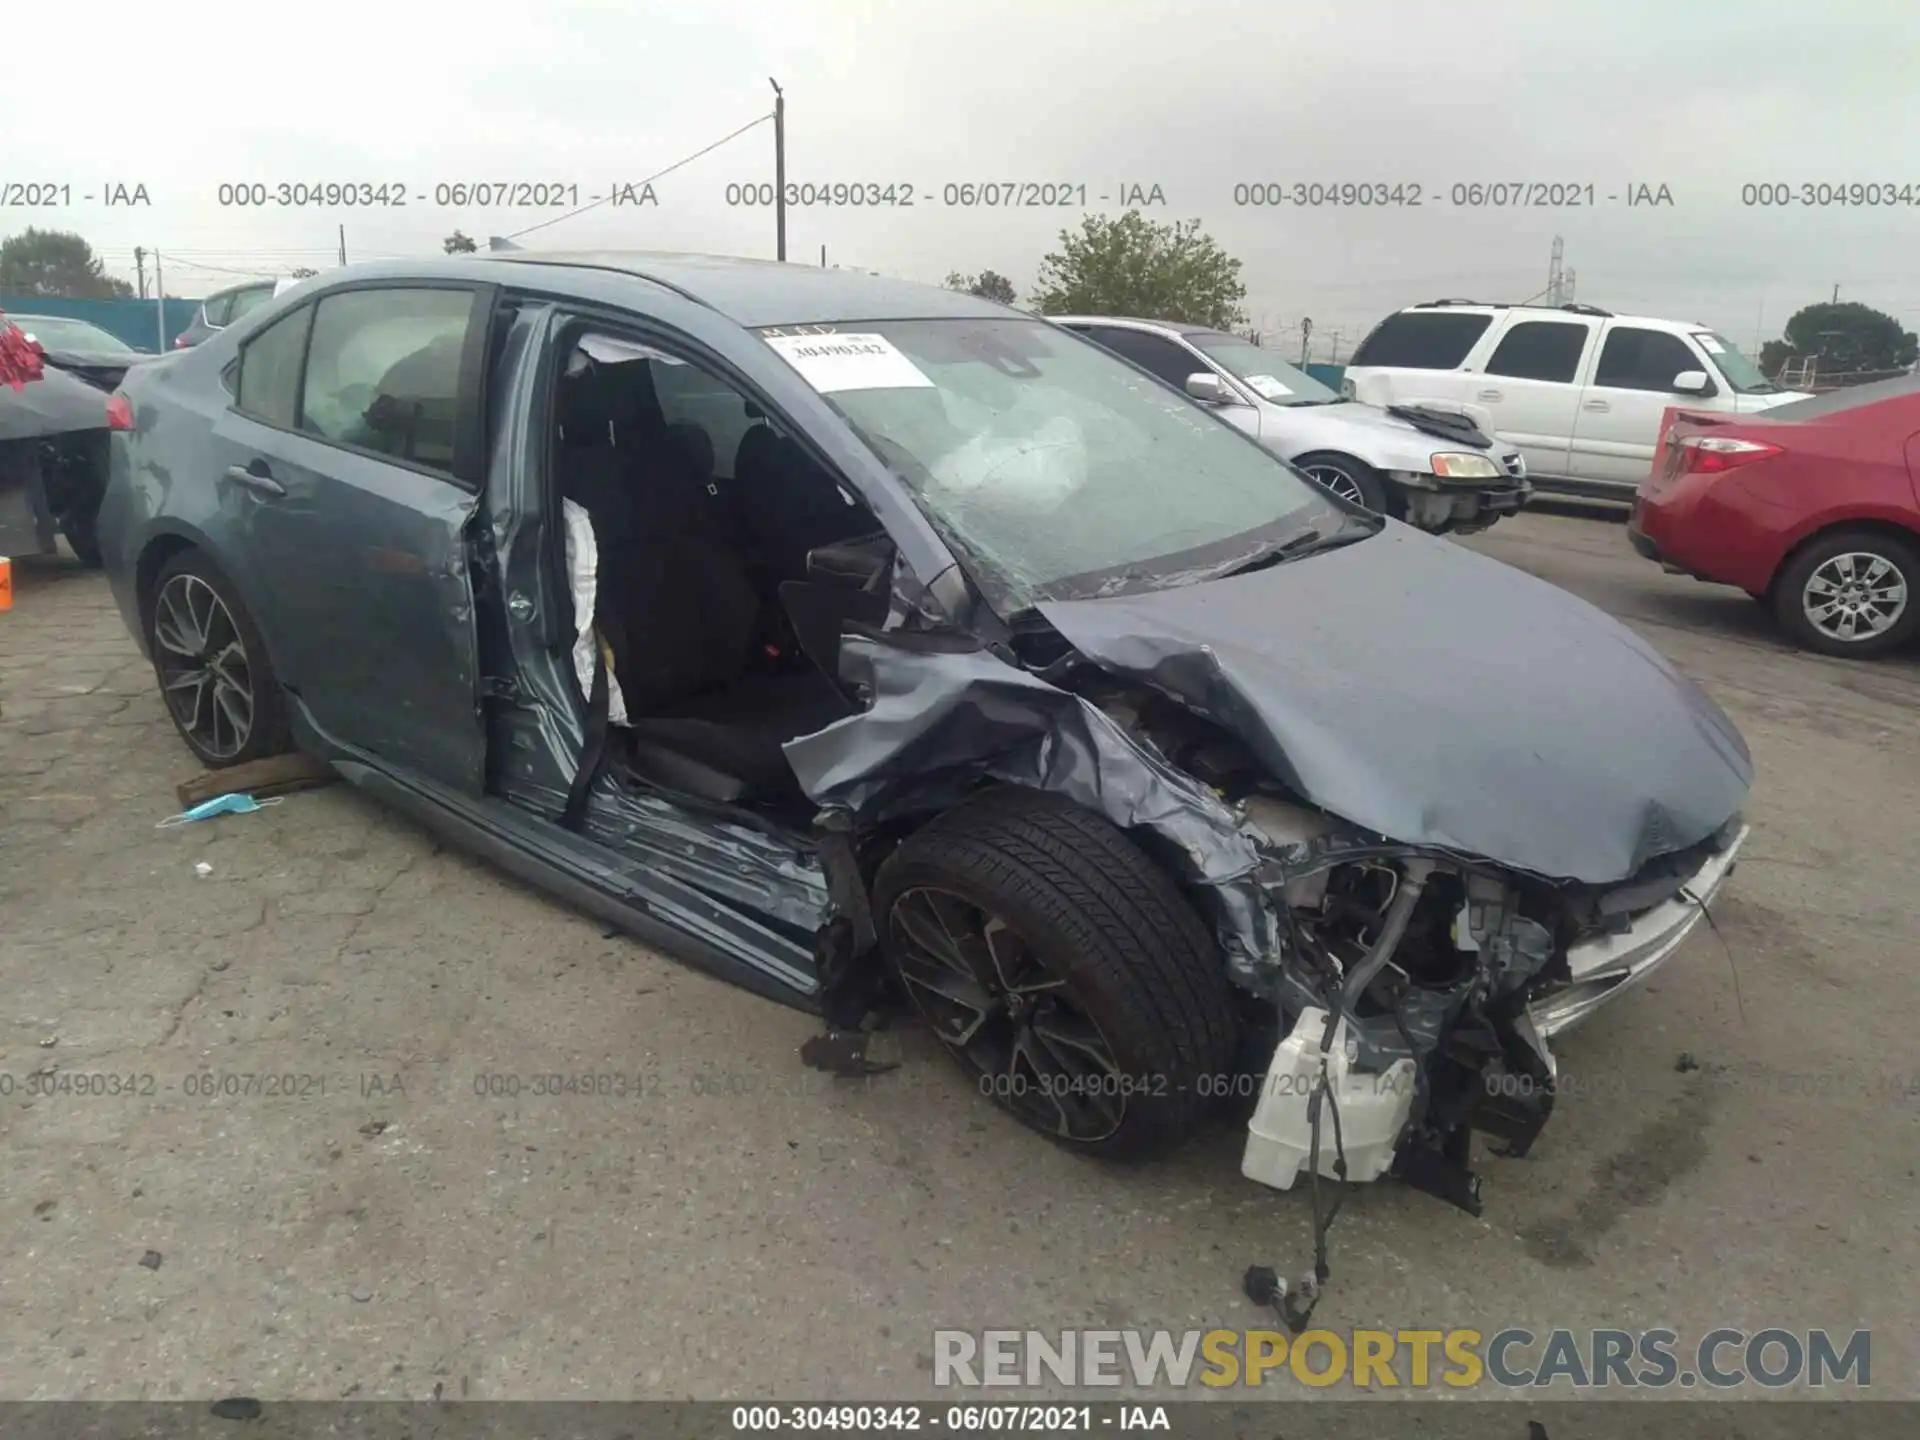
(761, 120)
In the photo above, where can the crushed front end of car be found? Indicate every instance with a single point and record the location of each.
(1435, 812)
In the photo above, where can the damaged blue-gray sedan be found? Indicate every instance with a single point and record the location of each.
(866, 642)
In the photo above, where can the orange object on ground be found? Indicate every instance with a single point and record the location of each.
(6, 583)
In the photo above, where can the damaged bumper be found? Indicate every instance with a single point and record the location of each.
(1605, 968)
(1455, 1053)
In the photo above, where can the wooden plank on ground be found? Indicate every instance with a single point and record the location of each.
(262, 779)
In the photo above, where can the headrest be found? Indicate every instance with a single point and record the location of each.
(603, 395)
(696, 446)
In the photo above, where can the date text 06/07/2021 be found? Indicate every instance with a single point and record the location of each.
(1457, 195)
(958, 194)
(1039, 1419)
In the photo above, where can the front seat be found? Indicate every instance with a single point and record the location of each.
(789, 504)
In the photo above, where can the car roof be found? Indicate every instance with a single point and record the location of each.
(1129, 322)
(1590, 312)
(751, 293)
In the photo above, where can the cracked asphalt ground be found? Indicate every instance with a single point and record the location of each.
(744, 1227)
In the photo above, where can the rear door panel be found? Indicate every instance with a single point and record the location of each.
(368, 598)
(1535, 414)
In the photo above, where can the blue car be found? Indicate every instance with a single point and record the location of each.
(880, 647)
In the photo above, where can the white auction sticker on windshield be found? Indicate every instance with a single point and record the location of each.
(1711, 345)
(1266, 387)
(849, 362)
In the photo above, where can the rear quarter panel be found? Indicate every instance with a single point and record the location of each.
(1840, 474)
(164, 483)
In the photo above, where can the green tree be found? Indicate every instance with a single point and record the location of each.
(1847, 336)
(55, 264)
(988, 285)
(459, 243)
(1135, 266)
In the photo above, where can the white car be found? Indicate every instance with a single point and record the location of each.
(1427, 469)
(1579, 390)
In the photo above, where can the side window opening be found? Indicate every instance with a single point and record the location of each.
(689, 521)
(243, 301)
(1153, 353)
(1421, 340)
(1639, 359)
(1540, 350)
(267, 383)
(383, 372)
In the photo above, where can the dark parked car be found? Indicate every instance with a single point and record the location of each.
(859, 639)
(53, 452)
(1812, 507)
(224, 307)
(84, 351)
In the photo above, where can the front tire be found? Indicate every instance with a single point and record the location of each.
(1851, 593)
(211, 664)
(1062, 969)
(1352, 480)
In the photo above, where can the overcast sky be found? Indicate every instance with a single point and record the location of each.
(1194, 96)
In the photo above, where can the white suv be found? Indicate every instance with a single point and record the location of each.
(1579, 390)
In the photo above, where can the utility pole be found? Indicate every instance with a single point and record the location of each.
(140, 267)
(779, 170)
(1569, 287)
(1306, 335)
(1335, 358)
(823, 257)
(1836, 294)
(159, 303)
(343, 244)
(1555, 280)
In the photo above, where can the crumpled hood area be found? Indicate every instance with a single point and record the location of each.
(1435, 696)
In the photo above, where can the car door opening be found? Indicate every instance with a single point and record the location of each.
(719, 576)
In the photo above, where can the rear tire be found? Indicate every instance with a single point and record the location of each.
(1353, 480)
(1063, 970)
(212, 668)
(1850, 593)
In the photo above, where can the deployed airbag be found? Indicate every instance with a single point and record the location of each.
(583, 561)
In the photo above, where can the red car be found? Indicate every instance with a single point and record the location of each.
(1812, 507)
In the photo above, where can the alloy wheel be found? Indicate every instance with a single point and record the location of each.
(1854, 596)
(1332, 477)
(205, 676)
(994, 1001)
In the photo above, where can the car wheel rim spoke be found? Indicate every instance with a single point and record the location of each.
(205, 678)
(934, 965)
(1338, 481)
(1095, 1087)
(991, 998)
(1855, 596)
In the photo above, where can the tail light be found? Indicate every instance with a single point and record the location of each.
(1711, 454)
(119, 413)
